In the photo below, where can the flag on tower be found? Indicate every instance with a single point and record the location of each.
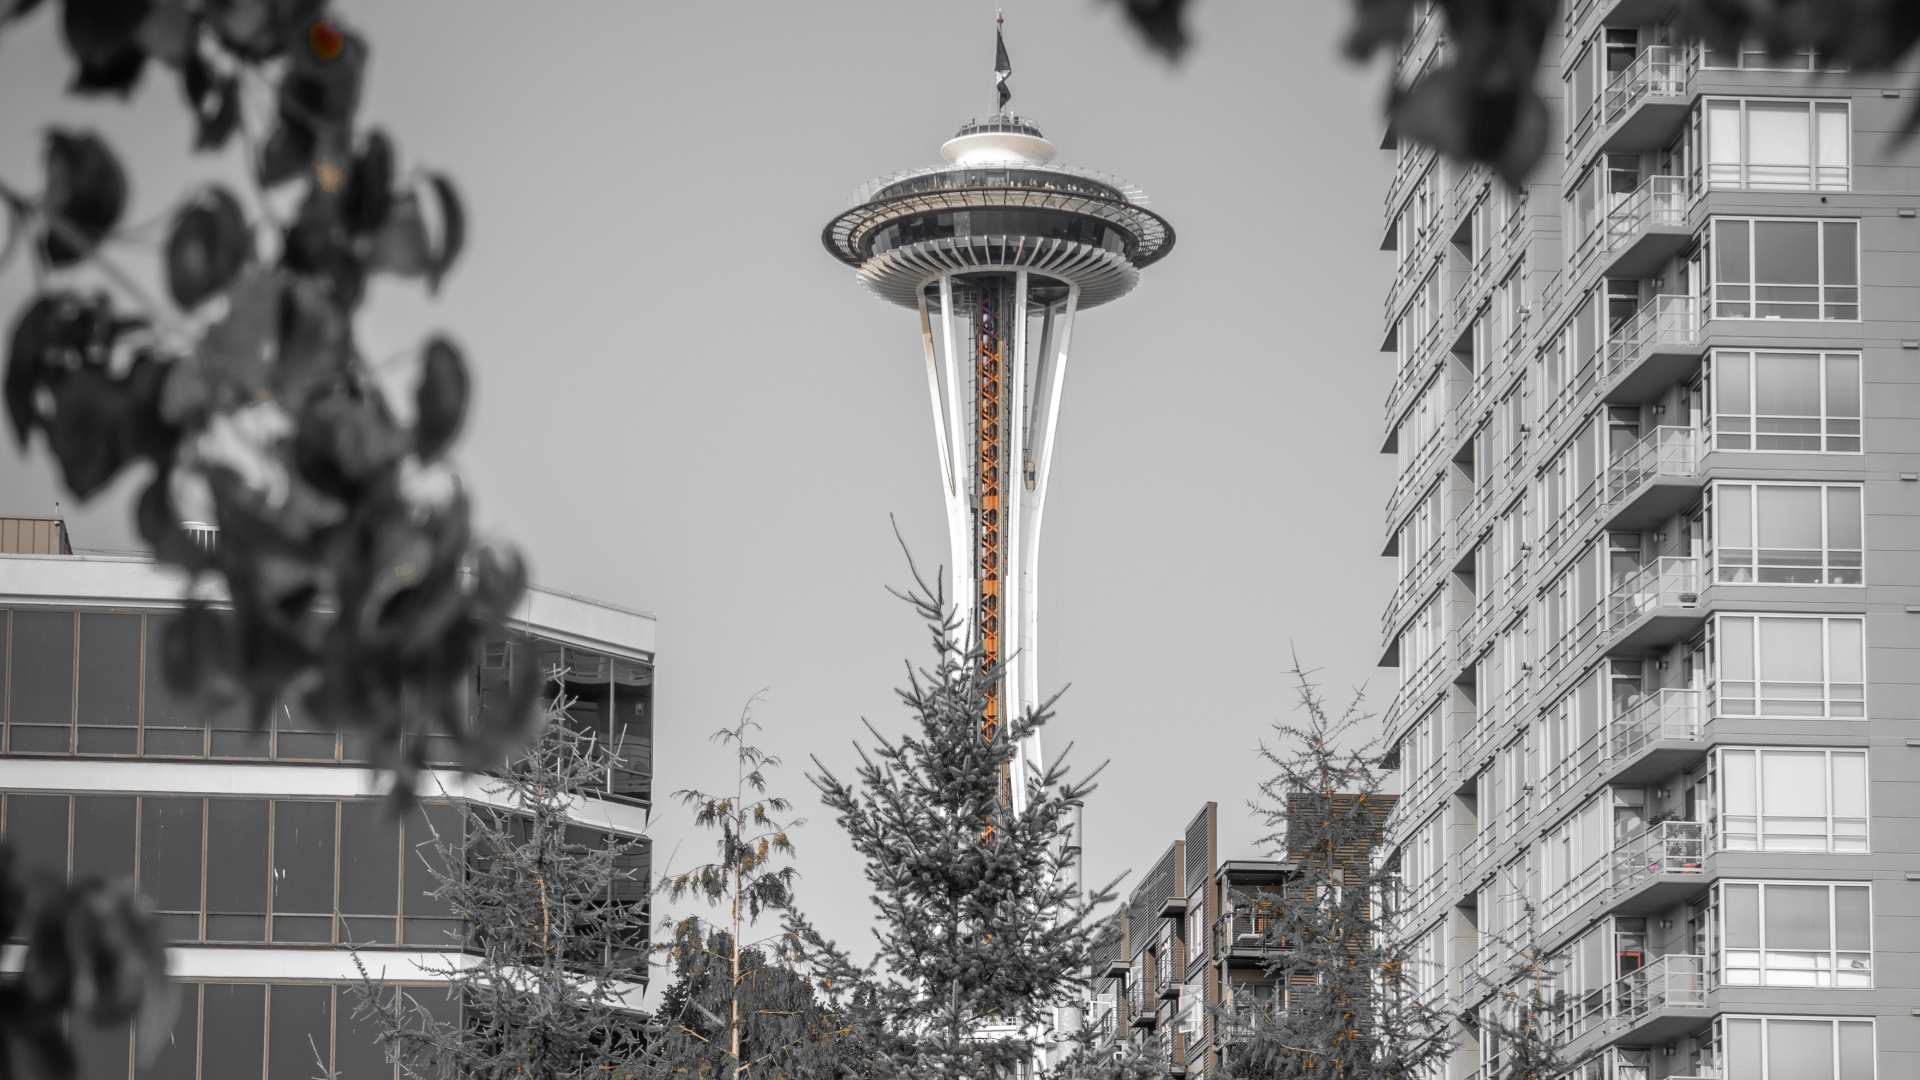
(1002, 67)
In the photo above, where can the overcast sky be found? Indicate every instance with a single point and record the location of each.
(686, 406)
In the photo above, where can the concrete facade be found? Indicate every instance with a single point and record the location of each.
(1658, 421)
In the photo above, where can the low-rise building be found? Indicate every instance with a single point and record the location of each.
(271, 855)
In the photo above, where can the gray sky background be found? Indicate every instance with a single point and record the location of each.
(685, 406)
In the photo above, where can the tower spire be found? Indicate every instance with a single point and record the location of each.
(1002, 67)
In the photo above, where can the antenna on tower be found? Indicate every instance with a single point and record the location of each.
(1002, 67)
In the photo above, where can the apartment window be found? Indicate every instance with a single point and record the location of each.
(1775, 933)
(1420, 857)
(247, 1031)
(1783, 268)
(1753, 56)
(1583, 92)
(1420, 641)
(1426, 960)
(93, 684)
(287, 871)
(1787, 534)
(1773, 145)
(1795, 1047)
(1789, 666)
(1793, 402)
(1420, 533)
(1572, 850)
(1792, 799)
(1421, 752)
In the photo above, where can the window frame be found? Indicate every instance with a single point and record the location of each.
(1834, 565)
(1720, 962)
(1718, 682)
(1720, 780)
(1820, 178)
(1752, 302)
(1826, 419)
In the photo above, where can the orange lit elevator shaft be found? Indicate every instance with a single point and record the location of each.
(990, 396)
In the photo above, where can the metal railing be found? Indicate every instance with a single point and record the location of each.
(1244, 932)
(1658, 201)
(1675, 981)
(1669, 581)
(1664, 451)
(1141, 1009)
(1669, 713)
(1658, 70)
(1671, 847)
(1665, 320)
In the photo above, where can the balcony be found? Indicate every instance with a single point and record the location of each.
(1655, 478)
(1167, 974)
(1142, 1011)
(1655, 736)
(1646, 103)
(1661, 1001)
(1653, 350)
(1244, 938)
(1657, 605)
(1660, 866)
(1647, 228)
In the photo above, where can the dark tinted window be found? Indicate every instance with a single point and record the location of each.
(40, 689)
(37, 829)
(103, 827)
(237, 877)
(110, 670)
(301, 1031)
(369, 859)
(235, 1032)
(105, 1053)
(178, 1051)
(357, 1050)
(170, 853)
(303, 857)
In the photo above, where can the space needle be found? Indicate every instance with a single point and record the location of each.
(999, 250)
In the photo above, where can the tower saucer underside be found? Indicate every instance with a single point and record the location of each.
(1054, 223)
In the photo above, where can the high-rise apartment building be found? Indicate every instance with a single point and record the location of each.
(271, 856)
(1657, 416)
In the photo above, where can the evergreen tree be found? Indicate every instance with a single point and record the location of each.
(557, 925)
(1526, 1021)
(982, 926)
(1353, 1007)
(786, 1030)
(742, 1007)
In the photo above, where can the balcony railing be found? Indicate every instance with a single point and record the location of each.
(1658, 70)
(1666, 320)
(1663, 714)
(1244, 933)
(1671, 847)
(1658, 201)
(1669, 581)
(1142, 1011)
(1664, 451)
(1675, 981)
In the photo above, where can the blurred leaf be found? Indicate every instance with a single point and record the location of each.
(314, 342)
(104, 37)
(237, 350)
(101, 424)
(1161, 22)
(168, 32)
(401, 245)
(286, 153)
(453, 230)
(208, 245)
(86, 192)
(13, 9)
(440, 400)
(214, 99)
(369, 191)
(13, 220)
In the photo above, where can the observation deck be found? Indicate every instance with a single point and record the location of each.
(998, 205)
